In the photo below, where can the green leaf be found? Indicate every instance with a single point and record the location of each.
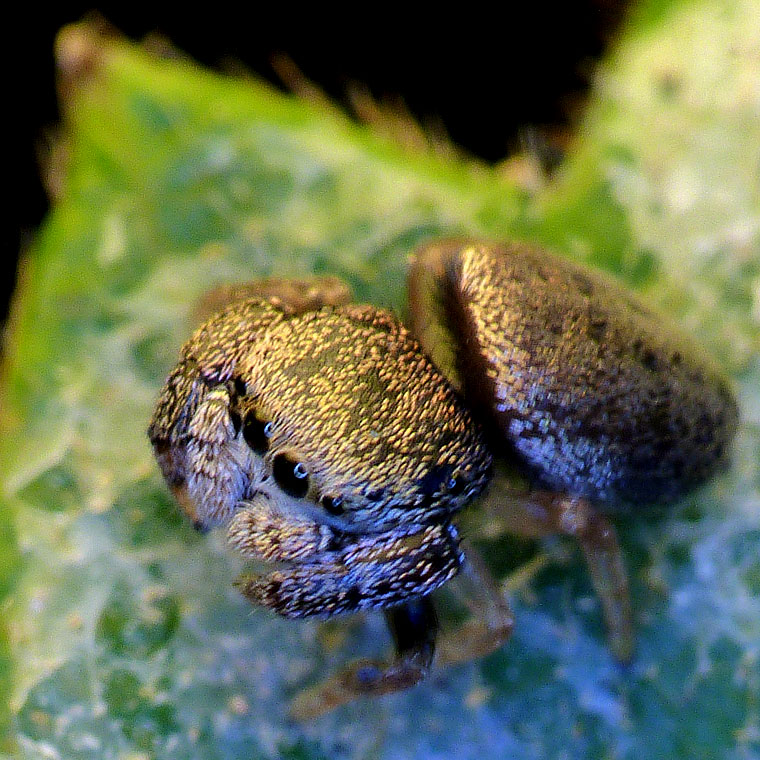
(122, 633)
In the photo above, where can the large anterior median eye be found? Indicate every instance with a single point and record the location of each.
(291, 476)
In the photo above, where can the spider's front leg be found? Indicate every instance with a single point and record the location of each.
(330, 572)
(414, 627)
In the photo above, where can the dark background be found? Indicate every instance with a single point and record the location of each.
(491, 81)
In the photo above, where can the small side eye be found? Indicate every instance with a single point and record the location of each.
(333, 504)
(239, 388)
(443, 479)
(257, 433)
(291, 476)
(456, 484)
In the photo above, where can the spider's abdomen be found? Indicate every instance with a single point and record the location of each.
(596, 395)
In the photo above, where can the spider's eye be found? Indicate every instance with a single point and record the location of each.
(291, 476)
(257, 432)
(443, 479)
(456, 484)
(239, 387)
(333, 504)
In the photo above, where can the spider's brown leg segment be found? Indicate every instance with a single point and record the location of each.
(534, 514)
(601, 550)
(492, 621)
(293, 296)
(414, 626)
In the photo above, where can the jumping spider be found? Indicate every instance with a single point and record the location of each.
(330, 441)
